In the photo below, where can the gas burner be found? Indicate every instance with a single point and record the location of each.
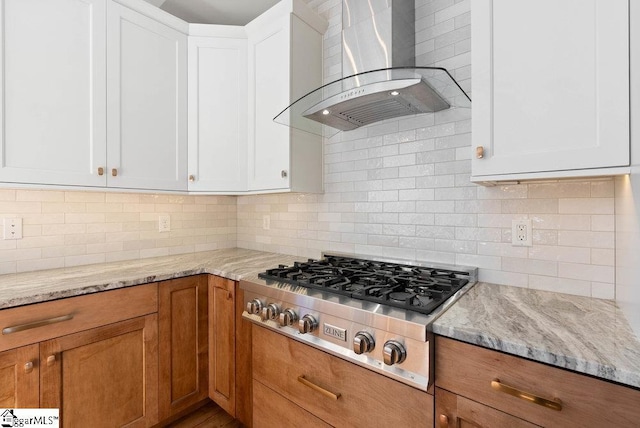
(415, 288)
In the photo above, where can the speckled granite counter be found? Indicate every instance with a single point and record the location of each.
(32, 287)
(586, 335)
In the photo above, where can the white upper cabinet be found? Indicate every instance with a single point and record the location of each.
(285, 62)
(147, 102)
(218, 109)
(52, 109)
(550, 88)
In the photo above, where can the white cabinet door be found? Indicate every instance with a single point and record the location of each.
(269, 94)
(550, 85)
(53, 91)
(217, 114)
(147, 102)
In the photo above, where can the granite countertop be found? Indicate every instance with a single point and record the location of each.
(582, 334)
(40, 286)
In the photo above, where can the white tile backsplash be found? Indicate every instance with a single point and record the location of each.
(401, 188)
(70, 228)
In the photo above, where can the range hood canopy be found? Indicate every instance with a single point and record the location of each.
(372, 96)
(380, 80)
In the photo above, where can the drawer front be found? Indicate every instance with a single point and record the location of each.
(271, 409)
(469, 371)
(338, 392)
(34, 323)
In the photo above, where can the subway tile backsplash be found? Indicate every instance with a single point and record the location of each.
(69, 228)
(401, 189)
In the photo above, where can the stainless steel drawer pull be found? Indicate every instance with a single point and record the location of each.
(317, 388)
(36, 324)
(554, 404)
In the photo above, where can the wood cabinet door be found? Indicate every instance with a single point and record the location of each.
(53, 96)
(147, 102)
(217, 114)
(103, 377)
(222, 366)
(552, 100)
(19, 377)
(183, 335)
(454, 411)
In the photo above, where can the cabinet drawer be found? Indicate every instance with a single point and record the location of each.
(271, 409)
(34, 323)
(469, 371)
(308, 377)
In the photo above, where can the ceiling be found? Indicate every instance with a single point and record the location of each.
(224, 12)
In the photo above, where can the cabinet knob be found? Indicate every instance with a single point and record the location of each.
(283, 173)
(51, 360)
(479, 152)
(114, 172)
(192, 178)
(100, 171)
(444, 421)
(28, 367)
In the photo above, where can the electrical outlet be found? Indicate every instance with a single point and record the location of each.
(164, 223)
(266, 222)
(12, 228)
(521, 233)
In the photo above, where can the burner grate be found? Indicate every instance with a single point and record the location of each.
(414, 288)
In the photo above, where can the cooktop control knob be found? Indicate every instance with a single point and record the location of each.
(363, 342)
(254, 307)
(270, 312)
(307, 324)
(393, 352)
(288, 317)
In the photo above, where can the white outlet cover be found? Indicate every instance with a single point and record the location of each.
(266, 222)
(12, 228)
(521, 233)
(164, 223)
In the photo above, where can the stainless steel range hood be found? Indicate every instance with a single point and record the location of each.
(380, 79)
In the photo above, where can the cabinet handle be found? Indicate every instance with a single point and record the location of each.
(479, 152)
(444, 421)
(554, 404)
(28, 367)
(36, 324)
(317, 388)
(51, 360)
(192, 178)
(114, 172)
(100, 171)
(283, 173)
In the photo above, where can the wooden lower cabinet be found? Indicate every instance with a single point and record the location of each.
(222, 367)
(19, 377)
(272, 409)
(103, 377)
(183, 348)
(476, 386)
(454, 411)
(332, 390)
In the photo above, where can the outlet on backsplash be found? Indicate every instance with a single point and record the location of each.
(521, 233)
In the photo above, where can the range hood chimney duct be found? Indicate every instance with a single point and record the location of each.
(380, 80)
